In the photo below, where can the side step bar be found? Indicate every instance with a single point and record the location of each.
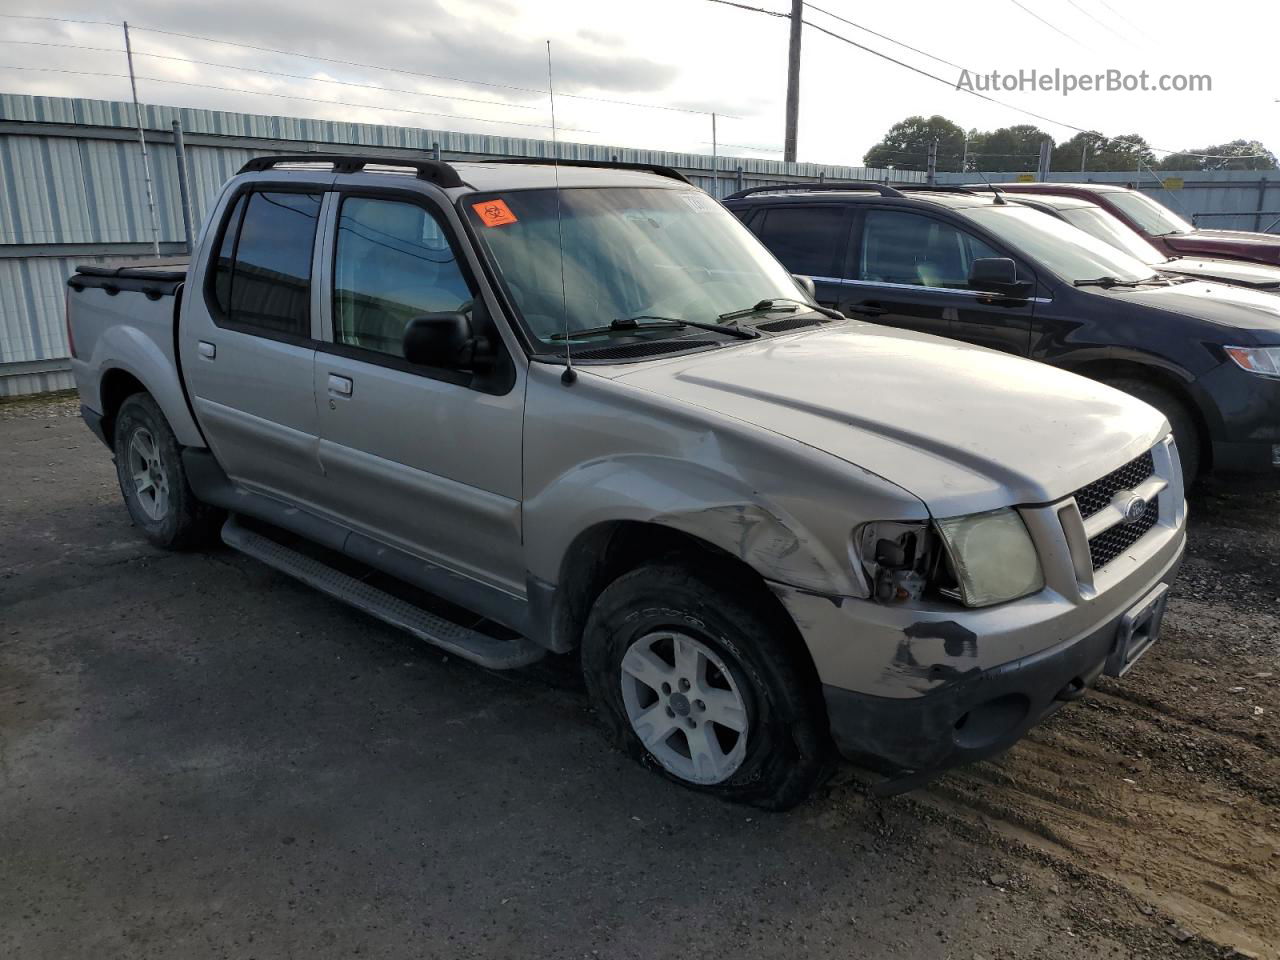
(459, 640)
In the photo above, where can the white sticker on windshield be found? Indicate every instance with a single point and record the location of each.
(698, 202)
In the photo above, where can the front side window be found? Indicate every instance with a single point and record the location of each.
(908, 248)
(393, 262)
(627, 253)
(806, 239)
(1154, 219)
(268, 283)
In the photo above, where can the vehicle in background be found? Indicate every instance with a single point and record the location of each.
(1161, 226)
(762, 527)
(1097, 222)
(990, 271)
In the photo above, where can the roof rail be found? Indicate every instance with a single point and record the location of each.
(435, 171)
(660, 170)
(941, 187)
(880, 188)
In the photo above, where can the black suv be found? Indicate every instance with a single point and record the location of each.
(981, 268)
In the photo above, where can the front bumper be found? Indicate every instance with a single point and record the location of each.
(987, 711)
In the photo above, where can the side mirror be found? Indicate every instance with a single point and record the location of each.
(446, 341)
(998, 275)
(806, 284)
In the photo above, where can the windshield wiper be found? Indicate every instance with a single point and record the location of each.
(1108, 282)
(658, 323)
(769, 305)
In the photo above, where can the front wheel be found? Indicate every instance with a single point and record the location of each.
(695, 680)
(1185, 433)
(153, 481)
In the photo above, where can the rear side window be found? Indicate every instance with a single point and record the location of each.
(393, 263)
(808, 240)
(262, 278)
(908, 248)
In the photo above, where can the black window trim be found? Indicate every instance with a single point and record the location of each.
(500, 382)
(216, 313)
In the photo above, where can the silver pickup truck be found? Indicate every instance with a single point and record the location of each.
(521, 410)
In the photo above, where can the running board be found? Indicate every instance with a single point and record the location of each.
(459, 640)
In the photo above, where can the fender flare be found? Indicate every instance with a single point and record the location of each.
(132, 351)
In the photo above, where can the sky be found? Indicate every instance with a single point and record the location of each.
(648, 73)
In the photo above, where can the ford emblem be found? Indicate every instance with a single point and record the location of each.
(1134, 510)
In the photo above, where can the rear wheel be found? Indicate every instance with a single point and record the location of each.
(1185, 432)
(153, 481)
(701, 684)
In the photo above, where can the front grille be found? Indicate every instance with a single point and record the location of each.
(630, 351)
(1097, 495)
(1109, 544)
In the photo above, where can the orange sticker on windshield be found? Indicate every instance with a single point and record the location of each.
(494, 213)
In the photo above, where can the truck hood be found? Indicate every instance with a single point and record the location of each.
(1237, 308)
(1260, 276)
(1263, 247)
(963, 428)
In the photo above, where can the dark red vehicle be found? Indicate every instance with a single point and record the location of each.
(1161, 226)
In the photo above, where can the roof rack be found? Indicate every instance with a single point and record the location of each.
(660, 170)
(435, 171)
(880, 188)
(940, 187)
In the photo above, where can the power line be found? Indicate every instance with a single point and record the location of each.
(1027, 10)
(274, 73)
(23, 16)
(882, 36)
(290, 96)
(1103, 24)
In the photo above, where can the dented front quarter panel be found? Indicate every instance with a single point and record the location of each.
(599, 451)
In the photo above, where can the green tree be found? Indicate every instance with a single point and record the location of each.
(1102, 153)
(906, 145)
(1008, 148)
(1246, 154)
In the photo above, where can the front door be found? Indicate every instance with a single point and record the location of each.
(247, 347)
(911, 270)
(425, 460)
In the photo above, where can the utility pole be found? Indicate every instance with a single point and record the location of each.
(793, 83)
(1084, 153)
(932, 176)
(142, 140)
(1046, 152)
(715, 160)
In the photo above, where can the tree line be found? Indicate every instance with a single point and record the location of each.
(906, 147)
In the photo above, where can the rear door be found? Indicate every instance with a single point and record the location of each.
(811, 241)
(426, 460)
(247, 344)
(910, 269)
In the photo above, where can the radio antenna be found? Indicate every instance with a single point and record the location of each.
(569, 375)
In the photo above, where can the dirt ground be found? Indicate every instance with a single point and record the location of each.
(201, 758)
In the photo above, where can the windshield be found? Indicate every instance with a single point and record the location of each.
(1098, 223)
(629, 252)
(1153, 219)
(1067, 251)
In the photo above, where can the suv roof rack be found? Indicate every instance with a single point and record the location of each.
(940, 187)
(883, 189)
(435, 171)
(660, 170)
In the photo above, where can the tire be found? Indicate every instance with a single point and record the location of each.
(726, 663)
(1185, 432)
(153, 481)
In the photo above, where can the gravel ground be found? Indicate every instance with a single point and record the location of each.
(201, 758)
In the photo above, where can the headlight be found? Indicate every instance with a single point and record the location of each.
(1264, 361)
(993, 557)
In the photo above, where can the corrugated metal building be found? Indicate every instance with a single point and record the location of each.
(72, 190)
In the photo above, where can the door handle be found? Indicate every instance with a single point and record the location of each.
(870, 309)
(206, 349)
(340, 386)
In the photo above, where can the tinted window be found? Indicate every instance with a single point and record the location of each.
(393, 263)
(271, 279)
(226, 251)
(806, 239)
(909, 248)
